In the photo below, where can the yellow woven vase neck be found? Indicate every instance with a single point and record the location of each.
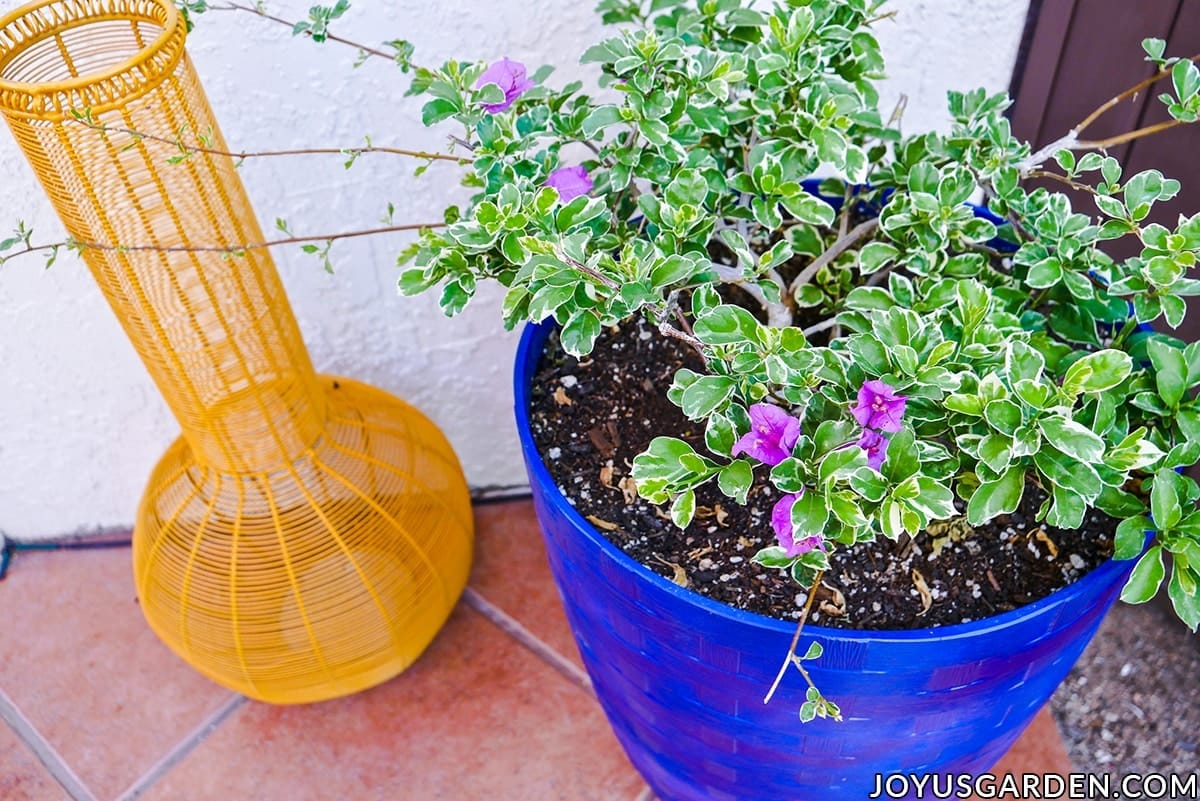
(96, 78)
(215, 330)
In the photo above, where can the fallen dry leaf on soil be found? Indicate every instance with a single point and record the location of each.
(944, 532)
(835, 604)
(560, 397)
(1043, 537)
(923, 589)
(680, 576)
(605, 437)
(601, 523)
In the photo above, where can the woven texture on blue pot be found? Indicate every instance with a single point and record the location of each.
(682, 677)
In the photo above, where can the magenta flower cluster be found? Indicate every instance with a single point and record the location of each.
(772, 435)
(510, 76)
(571, 182)
(879, 411)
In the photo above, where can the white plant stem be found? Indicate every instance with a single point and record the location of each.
(778, 314)
(1068, 142)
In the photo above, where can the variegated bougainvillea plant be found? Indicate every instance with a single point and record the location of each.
(951, 377)
(904, 360)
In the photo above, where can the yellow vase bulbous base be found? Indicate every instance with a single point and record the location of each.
(317, 577)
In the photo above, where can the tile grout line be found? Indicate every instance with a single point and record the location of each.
(184, 747)
(518, 632)
(24, 729)
(511, 626)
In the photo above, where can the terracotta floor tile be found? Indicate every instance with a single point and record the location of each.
(22, 776)
(478, 718)
(511, 571)
(1039, 750)
(79, 660)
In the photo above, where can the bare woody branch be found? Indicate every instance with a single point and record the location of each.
(778, 314)
(839, 247)
(588, 271)
(1071, 140)
(258, 12)
(190, 149)
(1133, 91)
(75, 244)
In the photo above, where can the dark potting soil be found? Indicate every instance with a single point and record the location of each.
(591, 417)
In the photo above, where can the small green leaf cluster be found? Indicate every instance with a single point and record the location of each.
(1184, 104)
(20, 236)
(319, 17)
(1176, 524)
(187, 8)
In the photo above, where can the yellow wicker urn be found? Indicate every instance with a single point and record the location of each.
(307, 536)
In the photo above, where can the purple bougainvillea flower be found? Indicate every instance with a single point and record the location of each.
(879, 407)
(773, 434)
(875, 444)
(510, 77)
(781, 521)
(571, 182)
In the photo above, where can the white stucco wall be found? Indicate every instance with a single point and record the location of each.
(81, 425)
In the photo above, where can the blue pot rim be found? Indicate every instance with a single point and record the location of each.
(529, 352)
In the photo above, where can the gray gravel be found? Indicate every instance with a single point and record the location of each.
(1132, 703)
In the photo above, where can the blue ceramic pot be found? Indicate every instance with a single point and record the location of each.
(682, 677)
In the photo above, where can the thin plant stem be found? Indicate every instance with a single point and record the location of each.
(824, 325)
(588, 271)
(881, 275)
(666, 329)
(1012, 219)
(258, 12)
(844, 221)
(1130, 326)
(1039, 299)
(229, 249)
(1062, 179)
(779, 315)
(812, 594)
(803, 672)
(839, 247)
(1071, 141)
(590, 146)
(682, 319)
(1128, 93)
(880, 17)
(1113, 141)
(305, 151)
